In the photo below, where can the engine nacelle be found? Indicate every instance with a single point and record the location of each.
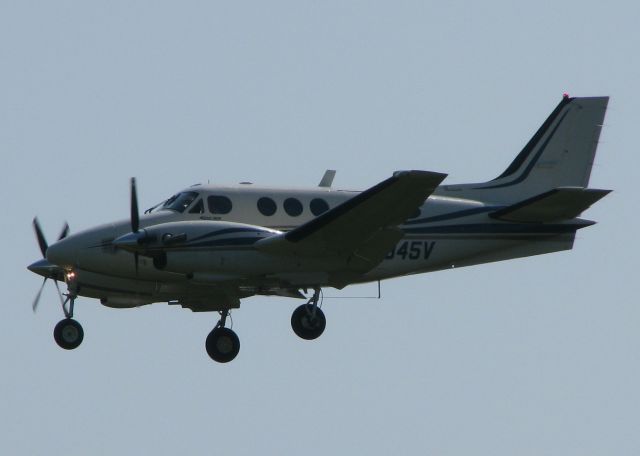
(189, 246)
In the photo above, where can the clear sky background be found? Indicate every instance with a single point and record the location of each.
(536, 356)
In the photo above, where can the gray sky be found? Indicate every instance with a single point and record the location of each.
(530, 357)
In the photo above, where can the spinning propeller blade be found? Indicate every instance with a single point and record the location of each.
(42, 242)
(34, 306)
(135, 220)
(64, 232)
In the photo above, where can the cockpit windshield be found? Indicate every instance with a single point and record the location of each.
(178, 202)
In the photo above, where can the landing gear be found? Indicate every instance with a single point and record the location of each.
(308, 320)
(68, 333)
(222, 343)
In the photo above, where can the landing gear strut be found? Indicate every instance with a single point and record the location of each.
(222, 343)
(68, 333)
(308, 320)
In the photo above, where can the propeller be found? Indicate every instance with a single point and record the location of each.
(138, 239)
(135, 217)
(42, 242)
(64, 232)
(36, 301)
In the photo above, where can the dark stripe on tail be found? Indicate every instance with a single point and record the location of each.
(533, 162)
(530, 146)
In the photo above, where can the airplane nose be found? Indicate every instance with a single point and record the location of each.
(62, 253)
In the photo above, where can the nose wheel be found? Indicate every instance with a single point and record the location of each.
(68, 334)
(222, 344)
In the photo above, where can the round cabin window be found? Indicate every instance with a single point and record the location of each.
(267, 206)
(318, 206)
(219, 204)
(293, 207)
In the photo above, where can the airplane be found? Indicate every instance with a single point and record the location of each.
(208, 247)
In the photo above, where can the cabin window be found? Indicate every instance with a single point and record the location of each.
(197, 208)
(267, 206)
(318, 206)
(219, 204)
(293, 207)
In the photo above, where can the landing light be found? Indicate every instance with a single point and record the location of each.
(69, 276)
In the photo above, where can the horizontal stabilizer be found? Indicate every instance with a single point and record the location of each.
(558, 204)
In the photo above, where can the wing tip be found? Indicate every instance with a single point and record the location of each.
(430, 177)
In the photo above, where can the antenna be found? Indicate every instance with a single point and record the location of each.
(327, 179)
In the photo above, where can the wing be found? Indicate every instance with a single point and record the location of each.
(362, 229)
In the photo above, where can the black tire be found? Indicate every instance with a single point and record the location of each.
(306, 324)
(222, 345)
(68, 334)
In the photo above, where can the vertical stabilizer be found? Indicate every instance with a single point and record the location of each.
(560, 154)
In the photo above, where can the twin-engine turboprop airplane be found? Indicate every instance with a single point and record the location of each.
(207, 247)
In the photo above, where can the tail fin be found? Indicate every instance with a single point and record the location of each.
(560, 154)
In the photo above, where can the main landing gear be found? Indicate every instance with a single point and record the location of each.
(308, 320)
(222, 343)
(68, 333)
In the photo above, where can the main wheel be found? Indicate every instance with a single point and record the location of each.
(222, 345)
(307, 322)
(68, 334)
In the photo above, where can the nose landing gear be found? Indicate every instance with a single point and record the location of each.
(68, 333)
(222, 343)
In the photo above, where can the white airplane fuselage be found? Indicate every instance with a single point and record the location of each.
(448, 232)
